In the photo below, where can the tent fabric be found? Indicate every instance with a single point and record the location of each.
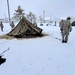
(25, 29)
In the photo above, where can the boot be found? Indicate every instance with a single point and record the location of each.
(63, 41)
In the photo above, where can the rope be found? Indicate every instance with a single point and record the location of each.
(5, 42)
(55, 37)
(4, 51)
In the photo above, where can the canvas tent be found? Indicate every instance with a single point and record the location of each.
(25, 29)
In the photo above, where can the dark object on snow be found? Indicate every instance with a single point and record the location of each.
(2, 60)
(47, 24)
(41, 24)
(4, 51)
(25, 29)
(73, 23)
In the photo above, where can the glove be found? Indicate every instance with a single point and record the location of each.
(61, 29)
(70, 30)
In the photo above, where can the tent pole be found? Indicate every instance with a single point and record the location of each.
(8, 11)
(44, 16)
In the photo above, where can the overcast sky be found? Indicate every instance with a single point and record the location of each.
(57, 8)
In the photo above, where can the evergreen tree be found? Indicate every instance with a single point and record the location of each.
(19, 13)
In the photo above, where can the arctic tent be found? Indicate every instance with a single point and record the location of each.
(25, 29)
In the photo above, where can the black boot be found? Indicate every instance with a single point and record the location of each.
(63, 41)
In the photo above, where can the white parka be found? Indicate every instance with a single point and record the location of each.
(66, 26)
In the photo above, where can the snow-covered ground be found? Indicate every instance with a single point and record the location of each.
(39, 56)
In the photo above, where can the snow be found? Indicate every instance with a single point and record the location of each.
(38, 56)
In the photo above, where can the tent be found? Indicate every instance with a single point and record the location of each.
(25, 29)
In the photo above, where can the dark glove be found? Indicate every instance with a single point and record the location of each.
(61, 29)
(70, 30)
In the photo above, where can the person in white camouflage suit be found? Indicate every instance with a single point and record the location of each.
(12, 25)
(65, 28)
(1, 25)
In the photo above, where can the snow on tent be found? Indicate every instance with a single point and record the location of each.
(25, 29)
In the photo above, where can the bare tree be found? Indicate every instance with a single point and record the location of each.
(41, 19)
(31, 17)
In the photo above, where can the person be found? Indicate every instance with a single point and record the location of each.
(12, 25)
(1, 25)
(65, 28)
(35, 24)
